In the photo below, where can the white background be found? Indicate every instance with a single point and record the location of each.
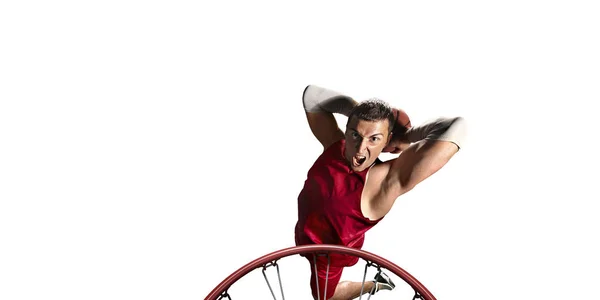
(151, 148)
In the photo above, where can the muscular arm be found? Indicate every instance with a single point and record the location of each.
(434, 145)
(319, 105)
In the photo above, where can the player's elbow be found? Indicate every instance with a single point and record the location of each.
(304, 102)
(455, 131)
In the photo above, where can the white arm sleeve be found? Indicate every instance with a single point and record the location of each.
(442, 129)
(319, 99)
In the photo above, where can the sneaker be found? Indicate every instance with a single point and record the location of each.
(382, 282)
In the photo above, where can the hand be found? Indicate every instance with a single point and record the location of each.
(395, 147)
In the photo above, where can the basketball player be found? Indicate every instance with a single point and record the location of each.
(348, 190)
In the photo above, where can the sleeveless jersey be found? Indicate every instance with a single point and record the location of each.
(329, 205)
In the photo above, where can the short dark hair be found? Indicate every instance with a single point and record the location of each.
(373, 109)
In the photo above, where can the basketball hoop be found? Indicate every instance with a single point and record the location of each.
(269, 260)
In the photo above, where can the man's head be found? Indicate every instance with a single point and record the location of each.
(368, 131)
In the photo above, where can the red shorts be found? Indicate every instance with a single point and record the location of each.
(327, 283)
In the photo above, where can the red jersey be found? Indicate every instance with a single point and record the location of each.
(329, 204)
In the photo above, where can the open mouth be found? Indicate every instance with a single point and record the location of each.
(358, 160)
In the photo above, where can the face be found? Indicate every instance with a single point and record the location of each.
(364, 142)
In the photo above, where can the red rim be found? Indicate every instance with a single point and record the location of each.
(259, 262)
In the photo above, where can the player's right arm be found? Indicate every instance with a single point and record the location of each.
(434, 144)
(319, 105)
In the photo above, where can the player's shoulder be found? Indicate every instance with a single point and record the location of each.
(332, 155)
(333, 148)
(337, 145)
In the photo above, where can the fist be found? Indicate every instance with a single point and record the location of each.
(402, 124)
